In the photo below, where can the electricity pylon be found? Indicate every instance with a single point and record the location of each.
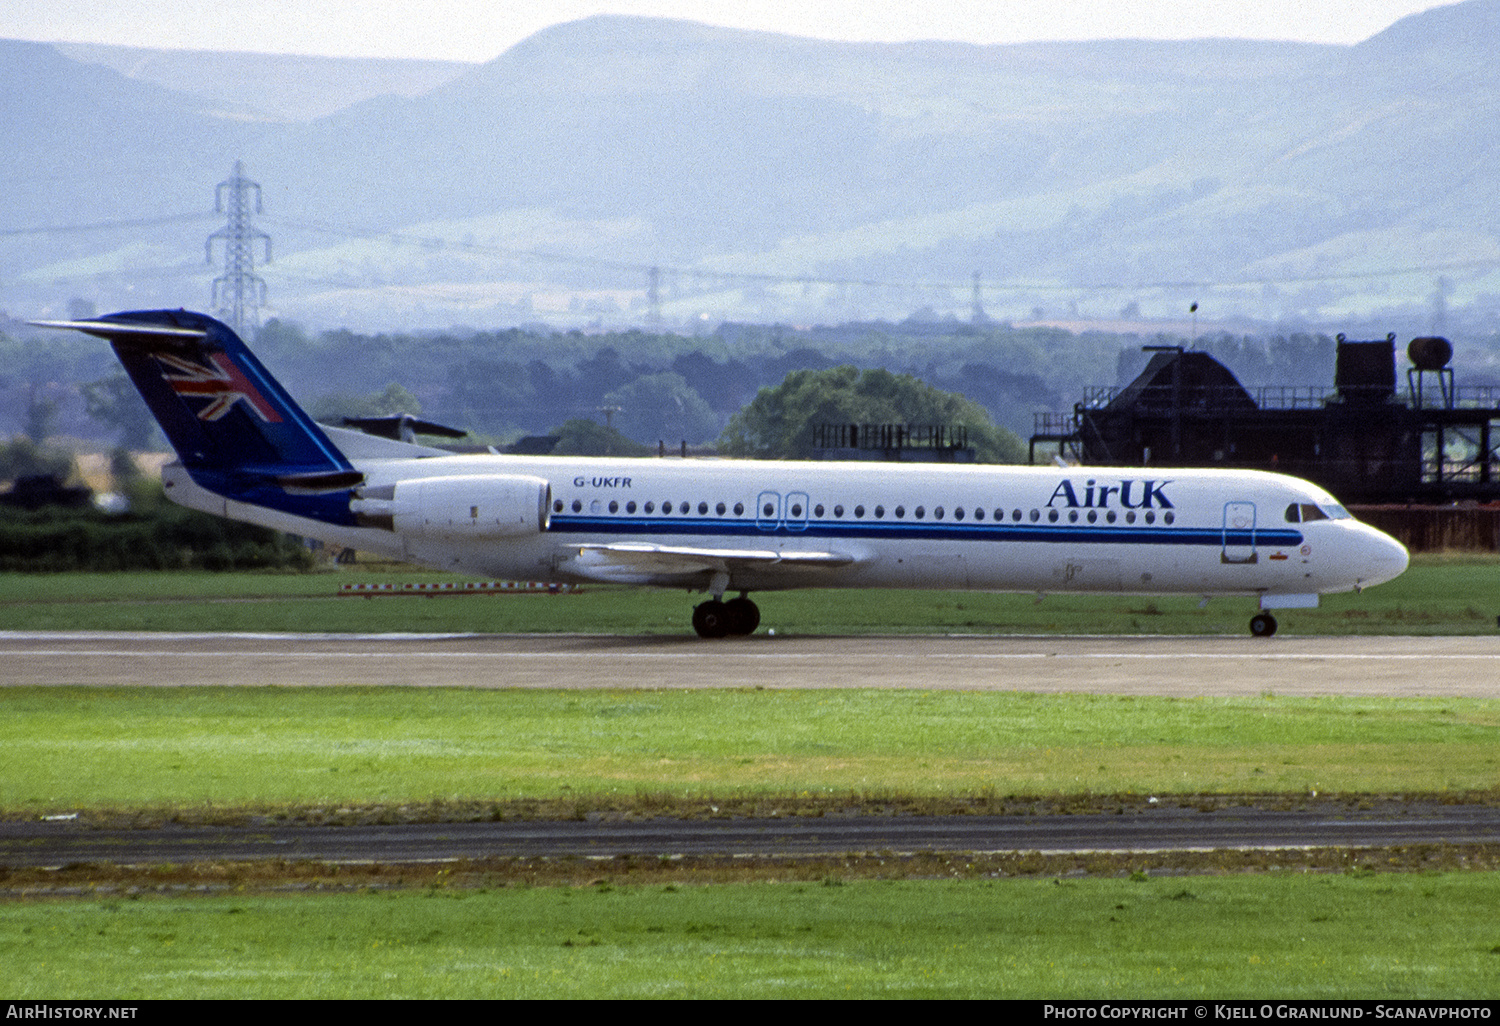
(239, 291)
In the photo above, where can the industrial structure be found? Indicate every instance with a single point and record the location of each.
(904, 443)
(1432, 445)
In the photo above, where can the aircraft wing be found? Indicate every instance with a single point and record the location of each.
(639, 562)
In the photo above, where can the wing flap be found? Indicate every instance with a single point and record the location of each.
(639, 561)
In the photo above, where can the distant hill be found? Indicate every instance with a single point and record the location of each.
(777, 178)
(266, 86)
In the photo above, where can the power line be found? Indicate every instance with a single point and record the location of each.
(102, 226)
(653, 271)
(240, 282)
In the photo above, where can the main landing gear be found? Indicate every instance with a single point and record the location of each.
(1262, 625)
(717, 618)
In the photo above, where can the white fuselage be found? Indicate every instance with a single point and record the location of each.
(685, 522)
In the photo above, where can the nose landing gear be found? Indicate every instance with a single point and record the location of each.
(1262, 625)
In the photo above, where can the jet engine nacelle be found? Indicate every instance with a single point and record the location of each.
(462, 506)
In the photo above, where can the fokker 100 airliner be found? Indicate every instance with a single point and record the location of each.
(248, 452)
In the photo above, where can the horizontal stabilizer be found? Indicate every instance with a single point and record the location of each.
(149, 336)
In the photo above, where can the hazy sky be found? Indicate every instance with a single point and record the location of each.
(478, 30)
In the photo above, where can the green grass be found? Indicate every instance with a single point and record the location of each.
(1305, 936)
(246, 747)
(1438, 595)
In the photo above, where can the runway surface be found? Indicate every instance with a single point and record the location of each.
(1172, 666)
(1167, 829)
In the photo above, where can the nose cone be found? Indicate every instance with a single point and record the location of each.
(1382, 558)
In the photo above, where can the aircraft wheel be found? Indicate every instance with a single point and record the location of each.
(744, 615)
(710, 619)
(1262, 625)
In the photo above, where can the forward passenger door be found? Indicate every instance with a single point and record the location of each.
(1239, 533)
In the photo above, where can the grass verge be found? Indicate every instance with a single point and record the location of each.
(249, 748)
(1277, 935)
(1439, 595)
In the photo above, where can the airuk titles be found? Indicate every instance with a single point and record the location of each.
(1096, 496)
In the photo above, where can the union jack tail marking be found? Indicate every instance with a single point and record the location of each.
(219, 381)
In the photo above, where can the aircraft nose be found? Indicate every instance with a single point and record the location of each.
(1384, 559)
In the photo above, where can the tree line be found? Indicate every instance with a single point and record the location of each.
(650, 387)
(672, 388)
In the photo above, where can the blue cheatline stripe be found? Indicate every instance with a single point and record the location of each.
(682, 527)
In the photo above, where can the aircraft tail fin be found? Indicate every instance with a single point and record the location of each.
(235, 429)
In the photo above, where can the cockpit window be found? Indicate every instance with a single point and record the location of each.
(1307, 512)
